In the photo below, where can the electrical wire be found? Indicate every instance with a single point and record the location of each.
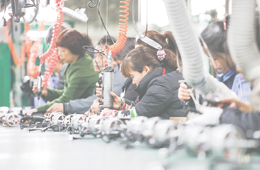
(98, 5)
(93, 50)
(133, 17)
(106, 17)
(99, 2)
(36, 12)
(91, 1)
(79, 4)
(146, 29)
(87, 14)
(209, 53)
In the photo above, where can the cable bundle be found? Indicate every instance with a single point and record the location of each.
(51, 55)
(118, 46)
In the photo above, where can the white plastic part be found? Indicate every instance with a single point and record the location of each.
(57, 118)
(210, 116)
(77, 119)
(111, 124)
(11, 119)
(136, 125)
(149, 126)
(78, 14)
(162, 131)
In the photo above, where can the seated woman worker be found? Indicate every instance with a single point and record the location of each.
(80, 76)
(158, 92)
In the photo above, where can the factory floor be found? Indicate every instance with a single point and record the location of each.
(23, 150)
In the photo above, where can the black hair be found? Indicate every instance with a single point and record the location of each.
(49, 34)
(106, 40)
(74, 41)
(129, 45)
(142, 56)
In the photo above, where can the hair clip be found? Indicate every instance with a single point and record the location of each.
(161, 55)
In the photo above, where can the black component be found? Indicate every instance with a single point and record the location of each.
(35, 119)
(26, 85)
(4, 22)
(17, 6)
(16, 19)
(39, 91)
(108, 69)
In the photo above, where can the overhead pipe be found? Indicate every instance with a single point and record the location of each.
(243, 47)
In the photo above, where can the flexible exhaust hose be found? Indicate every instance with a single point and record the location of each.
(191, 53)
(241, 38)
(243, 47)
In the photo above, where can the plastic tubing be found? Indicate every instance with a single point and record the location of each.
(51, 55)
(243, 47)
(122, 33)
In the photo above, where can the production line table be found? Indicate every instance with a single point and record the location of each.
(23, 150)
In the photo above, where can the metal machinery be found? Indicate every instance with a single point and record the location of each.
(9, 117)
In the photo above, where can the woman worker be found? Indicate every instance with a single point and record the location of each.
(80, 76)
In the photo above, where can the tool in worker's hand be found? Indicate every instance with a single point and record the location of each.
(108, 84)
(186, 102)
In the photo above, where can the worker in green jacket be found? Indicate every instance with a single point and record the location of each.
(80, 76)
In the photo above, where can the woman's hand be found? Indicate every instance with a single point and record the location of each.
(56, 107)
(116, 102)
(235, 103)
(44, 89)
(94, 106)
(183, 92)
(29, 112)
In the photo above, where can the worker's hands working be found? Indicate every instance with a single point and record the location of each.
(44, 89)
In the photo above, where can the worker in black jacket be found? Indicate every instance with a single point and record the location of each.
(158, 92)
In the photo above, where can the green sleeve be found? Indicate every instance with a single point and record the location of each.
(52, 94)
(74, 91)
